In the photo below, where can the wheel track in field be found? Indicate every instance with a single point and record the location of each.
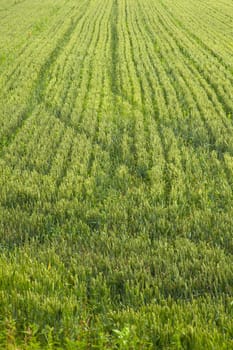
(137, 77)
(195, 38)
(77, 124)
(212, 147)
(123, 53)
(114, 50)
(123, 59)
(41, 87)
(145, 83)
(69, 124)
(177, 101)
(204, 120)
(37, 95)
(130, 35)
(167, 62)
(204, 49)
(206, 27)
(131, 20)
(56, 110)
(184, 51)
(147, 62)
(81, 121)
(186, 57)
(116, 78)
(195, 68)
(128, 20)
(97, 75)
(95, 138)
(15, 73)
(209, 28)
(159, 111)
(93, 42)
(116, 81)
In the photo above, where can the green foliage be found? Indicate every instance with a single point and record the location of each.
(116, 165)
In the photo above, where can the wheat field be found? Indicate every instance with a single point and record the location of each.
(116, 174)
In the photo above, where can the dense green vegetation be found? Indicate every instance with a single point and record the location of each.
(116, 174)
